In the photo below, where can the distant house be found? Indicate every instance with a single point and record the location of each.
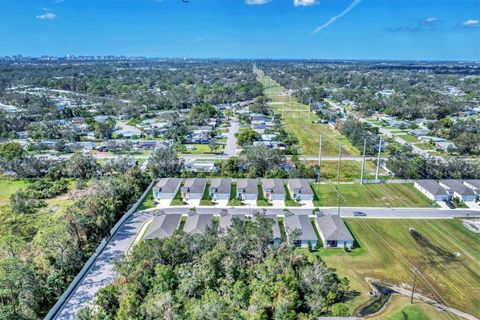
(197, 223)
(220, 188)
(304, 226)
(163, 226)
(247, 189)
(334, 232)
(474, 185)
(419, 132)
(193, 189)
(166, 188)
(300, 189)
(457, 189)
(226, 220)
(273, 189)
(200, 166)
(432, 190)
(445, 145)
(147, 145)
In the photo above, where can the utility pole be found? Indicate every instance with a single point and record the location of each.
(363, 160)
(319, 163)
(339, 164)
(378, 158)
(415, 270)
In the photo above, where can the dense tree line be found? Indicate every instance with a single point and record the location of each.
(238, 275)
(357, 132)
(407, 165)
(464, 133)
(419, 91)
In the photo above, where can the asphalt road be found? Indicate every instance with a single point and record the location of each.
(102, 272)
(231, 145)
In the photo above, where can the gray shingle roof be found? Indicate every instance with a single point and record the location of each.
(432, 187)
(302, 185)
(163, 226)
(274, 186)
(227, 220)
(221, 185)
(168, 185)
(197, 223)
(301, 222)
(248, 186)
(195, 185)
(275, 227)
(458, 187)
(333, 228)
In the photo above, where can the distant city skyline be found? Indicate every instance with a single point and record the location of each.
(246, 29)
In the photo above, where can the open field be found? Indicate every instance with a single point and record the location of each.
(372, 195)
(388, 251)
(349, 170)
(400, 308)
(202, 148)
(300, 122)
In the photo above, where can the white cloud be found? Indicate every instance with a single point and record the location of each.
(47, 15)
(304, 3)
(256, 2)
(472, 23)
(335, 18)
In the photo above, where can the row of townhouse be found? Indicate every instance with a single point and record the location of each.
(299, 229)
(220, 188)
(444, 190)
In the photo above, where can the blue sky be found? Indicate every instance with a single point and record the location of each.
(325, 29)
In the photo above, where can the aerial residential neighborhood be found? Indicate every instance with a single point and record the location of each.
(239, 159)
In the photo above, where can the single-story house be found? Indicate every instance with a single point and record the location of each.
(198, 223)
(432, 190)
(220, 188)
(334, 232)
(457, 189)
(300, 189)
(445, 145)
(419, 132)
(247, 189)
(474, 185)
(273, 189)
(166, 188)
(163, 226)
(193, 188)
(226, 221)
(304, 226)
(200, 166)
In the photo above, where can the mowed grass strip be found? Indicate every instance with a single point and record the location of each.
(350, 169)
(9, 187)
(388, 250)
(393, 195)
(300, 122)
(408, 138)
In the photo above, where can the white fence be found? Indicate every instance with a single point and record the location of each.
(387, 181)
(53, 313)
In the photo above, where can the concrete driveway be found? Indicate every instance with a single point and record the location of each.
(194, 203)
(164, 203)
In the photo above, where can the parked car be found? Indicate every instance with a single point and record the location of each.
(359, 214)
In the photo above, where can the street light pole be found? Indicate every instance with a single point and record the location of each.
(414, 282)
(339, 164)
(363, 160)
(378, 159)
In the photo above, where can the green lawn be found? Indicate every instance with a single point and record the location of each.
(234, 201)
(9, 187)
(388, 250)
(177, 200)
(399, 308)
(148, 202)
(350, 170)
(260, 199)
(425, 146)
(289, 202)
(408, 138)
(206, 199)
(299, 122)
(202, 148)
(372, 195)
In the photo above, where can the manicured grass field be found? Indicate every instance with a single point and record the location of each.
(388, 251)
(408, 137)
(299, 122)
(148, 202)
(372, 195)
